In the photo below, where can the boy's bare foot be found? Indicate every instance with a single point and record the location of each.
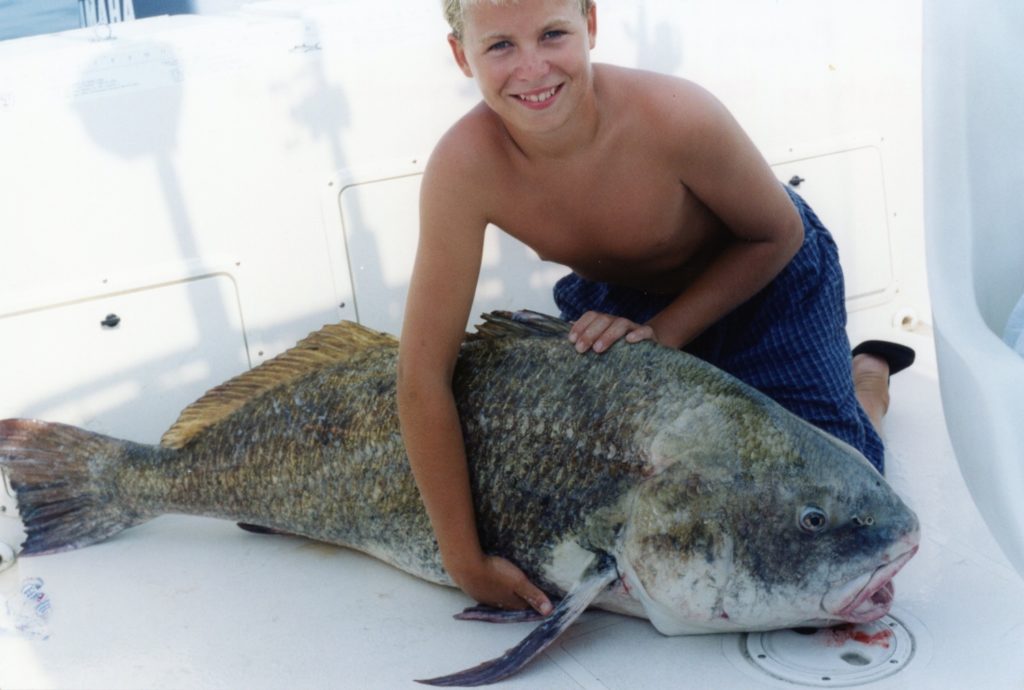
(871, 384)
(874, 361)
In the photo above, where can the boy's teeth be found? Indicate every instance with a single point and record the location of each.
(538, 98)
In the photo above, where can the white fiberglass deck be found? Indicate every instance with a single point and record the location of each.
(195, 603)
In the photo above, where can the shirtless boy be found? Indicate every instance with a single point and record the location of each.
(674, 226)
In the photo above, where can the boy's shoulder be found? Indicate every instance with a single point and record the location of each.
(645, 84)
(660, 104)
(465, 162)
(472, 142)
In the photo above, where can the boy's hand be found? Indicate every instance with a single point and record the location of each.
(598, 332)
(498, 582)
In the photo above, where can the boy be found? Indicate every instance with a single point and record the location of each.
(673, 224)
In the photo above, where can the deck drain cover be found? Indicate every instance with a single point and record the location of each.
(831, 657)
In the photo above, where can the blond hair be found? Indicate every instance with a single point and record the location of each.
(454, 10)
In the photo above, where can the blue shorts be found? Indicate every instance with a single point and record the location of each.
(788, 341)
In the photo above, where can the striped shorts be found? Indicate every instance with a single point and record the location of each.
(788, 341)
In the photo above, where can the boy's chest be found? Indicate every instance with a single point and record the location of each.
(608, 221)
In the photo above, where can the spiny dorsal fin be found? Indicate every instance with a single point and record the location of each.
(521, 324)
(331, 344)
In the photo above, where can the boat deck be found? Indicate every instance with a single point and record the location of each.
(186, 602)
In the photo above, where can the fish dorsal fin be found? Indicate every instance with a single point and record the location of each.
(332, 344)
(520, 324)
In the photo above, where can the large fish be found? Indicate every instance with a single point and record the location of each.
(641, 480)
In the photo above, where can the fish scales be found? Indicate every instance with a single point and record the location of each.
(539, 484)
(333, 468)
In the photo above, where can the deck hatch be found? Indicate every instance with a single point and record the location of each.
(844, 656)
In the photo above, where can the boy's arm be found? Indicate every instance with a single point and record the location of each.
(720, 165)
(724, 169)
(440, 295)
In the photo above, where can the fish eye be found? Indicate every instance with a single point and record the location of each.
(813, 519)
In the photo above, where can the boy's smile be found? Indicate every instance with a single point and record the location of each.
(539, 99)
(531, 60)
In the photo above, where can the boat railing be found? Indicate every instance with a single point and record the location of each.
(93, 12)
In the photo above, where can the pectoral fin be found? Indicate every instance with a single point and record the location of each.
(599, 574)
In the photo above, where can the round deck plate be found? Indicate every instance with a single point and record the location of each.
(837, 657)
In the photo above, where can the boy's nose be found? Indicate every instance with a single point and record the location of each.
(531, 66)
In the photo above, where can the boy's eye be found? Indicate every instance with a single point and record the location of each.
(555, 33)
(500, 45)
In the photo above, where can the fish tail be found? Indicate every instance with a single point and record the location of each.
(65, 497)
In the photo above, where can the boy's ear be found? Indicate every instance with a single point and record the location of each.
(592, 24)
(460, 54)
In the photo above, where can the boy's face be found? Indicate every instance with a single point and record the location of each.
(531, 59)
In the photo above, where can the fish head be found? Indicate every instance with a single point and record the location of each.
(769, 526)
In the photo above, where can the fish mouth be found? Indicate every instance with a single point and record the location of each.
(868, 597)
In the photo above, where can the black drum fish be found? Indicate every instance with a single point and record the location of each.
(641, 480)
